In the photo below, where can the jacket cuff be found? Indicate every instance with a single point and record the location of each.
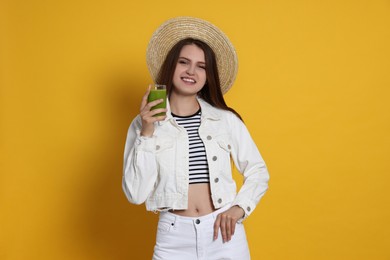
(247, 206)
(146, 144)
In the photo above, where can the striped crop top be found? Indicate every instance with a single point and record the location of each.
(198, 166)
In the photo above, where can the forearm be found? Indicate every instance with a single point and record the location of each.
(139, 170)
(139, 176)
(253, 189)
(251, 165)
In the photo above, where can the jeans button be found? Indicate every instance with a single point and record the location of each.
(197, 221)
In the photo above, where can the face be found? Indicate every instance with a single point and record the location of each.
(190, 73)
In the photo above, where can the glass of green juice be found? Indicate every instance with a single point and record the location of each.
(158, 92)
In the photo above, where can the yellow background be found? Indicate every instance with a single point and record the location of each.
(313, 88)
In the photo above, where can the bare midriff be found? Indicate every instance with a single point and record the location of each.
(199, 201)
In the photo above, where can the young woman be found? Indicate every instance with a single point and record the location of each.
(180, 163)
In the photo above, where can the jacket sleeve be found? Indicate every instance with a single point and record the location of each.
(250, 164)
(139, 167)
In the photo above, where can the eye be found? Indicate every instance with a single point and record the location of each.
(183, 62)
(202, 66)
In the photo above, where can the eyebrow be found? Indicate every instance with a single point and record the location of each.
(191, 60)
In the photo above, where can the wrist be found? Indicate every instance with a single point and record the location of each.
(146, 134)
(241, 211)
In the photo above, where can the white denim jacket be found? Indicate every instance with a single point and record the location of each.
(156, 168)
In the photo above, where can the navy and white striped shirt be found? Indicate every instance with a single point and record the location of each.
(198, 166)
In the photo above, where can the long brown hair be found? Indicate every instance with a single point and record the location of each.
(211, 91)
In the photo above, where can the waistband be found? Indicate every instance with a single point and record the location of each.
(177, 218)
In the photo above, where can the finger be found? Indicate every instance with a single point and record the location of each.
(153, 116)
(145, 98)
(148, 120)
(228, 228)
(151, 104)
(223, 228)
(217, 224)
(157, 111)
(153, 119)
(160, 118)
(233, 225)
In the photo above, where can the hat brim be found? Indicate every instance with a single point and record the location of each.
(179, 28)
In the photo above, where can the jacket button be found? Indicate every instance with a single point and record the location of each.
(248, 208)
(216, 180)
(214, 158)
(219, 200)
(209, 137)
(197, 221)
(157, 147)
(229, 147)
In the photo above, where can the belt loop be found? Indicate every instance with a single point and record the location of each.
(174, 222)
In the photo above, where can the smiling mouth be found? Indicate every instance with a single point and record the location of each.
(188, 80)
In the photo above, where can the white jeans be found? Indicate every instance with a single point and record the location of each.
(188, 238)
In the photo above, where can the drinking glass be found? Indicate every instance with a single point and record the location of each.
(158, 91)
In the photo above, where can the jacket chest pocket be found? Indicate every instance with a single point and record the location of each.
(224, 149)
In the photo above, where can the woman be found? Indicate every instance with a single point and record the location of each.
(179, 164)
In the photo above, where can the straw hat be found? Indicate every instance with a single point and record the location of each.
(176, 29)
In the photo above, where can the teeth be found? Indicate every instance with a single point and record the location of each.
(188, 80)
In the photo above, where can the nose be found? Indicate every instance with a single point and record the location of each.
(191, 70)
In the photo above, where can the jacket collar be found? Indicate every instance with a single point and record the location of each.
(208, 111)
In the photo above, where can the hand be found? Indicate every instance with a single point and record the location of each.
(147, 115)
(227, 222)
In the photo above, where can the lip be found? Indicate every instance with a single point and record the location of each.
(188, 80)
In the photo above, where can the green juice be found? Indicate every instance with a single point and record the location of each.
(158, 94)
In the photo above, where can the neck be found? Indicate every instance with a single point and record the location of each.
(183, 106)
